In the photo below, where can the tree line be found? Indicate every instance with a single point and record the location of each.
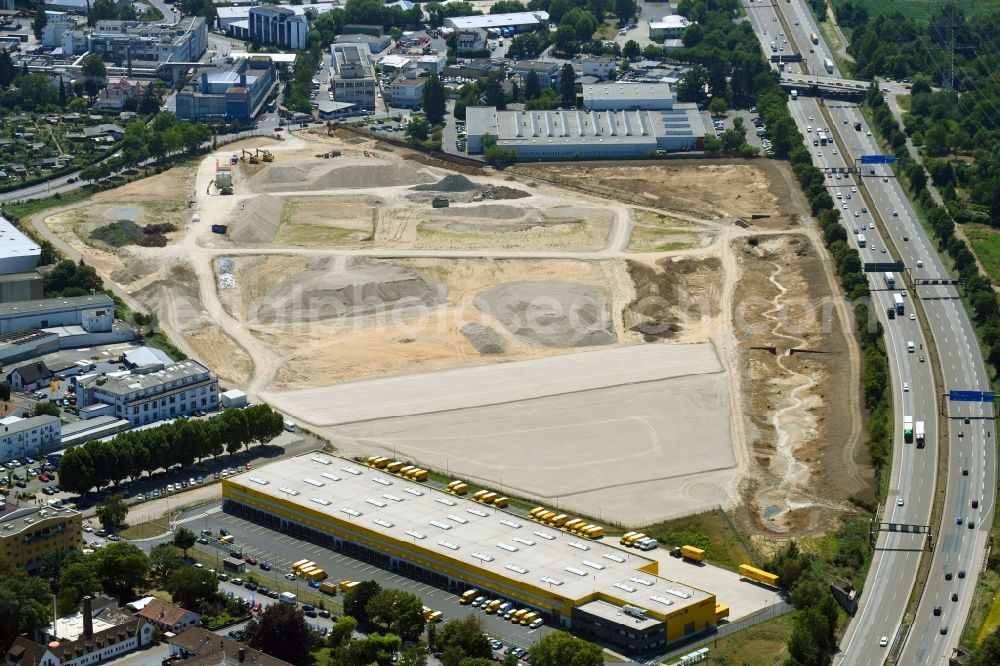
(130, 454)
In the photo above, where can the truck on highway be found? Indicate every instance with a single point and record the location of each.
(828, 65)
(890, 280)
(814, 38)
(920, 434)
(861, 240)
(897, 299)
(795, 94)
(908, 429)
(288, 598)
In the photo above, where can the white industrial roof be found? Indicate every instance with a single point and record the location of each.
(15, 244)
(626, 92)
(498, 20)
(465, 531)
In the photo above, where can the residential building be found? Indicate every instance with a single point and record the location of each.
(94, 313)
(237, 93)
(53, 31)
(669, 27)
(149, 394)
(20, 437)
(579, 134)
(454, 544)
(29, 377)
(548, 73)
(405, 92)
(627, 96)
(196, 646)
(169, 617)
(93, 646)
(471, 40)
(126, 42)
(18, 253)
(105, 130)
(113, 96)
(272, 25)
(352, 75)
(28, 533)
(516, 21)
(599, 66)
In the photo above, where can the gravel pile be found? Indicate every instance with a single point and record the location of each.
(484, 339)
(450, 183)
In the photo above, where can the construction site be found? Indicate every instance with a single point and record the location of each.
(632, 341)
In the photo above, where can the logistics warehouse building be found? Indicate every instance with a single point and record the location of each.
(458, 543)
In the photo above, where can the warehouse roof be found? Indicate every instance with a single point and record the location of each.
(626, 92)
(55, 305)
(498, 20)
(15, 244)
(466, 532)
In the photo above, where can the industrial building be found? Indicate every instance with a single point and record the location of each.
(148, 394)
(548, 73)
(133, 42)
(669, 27)
(627, 96)
(579, 134)
(28, 533)
(18, 253)
(352, 75)
(237, 93)
(93, 313)
(458, 544)
(278, 26)
(25, 437)
(236, 21)
(516, 21)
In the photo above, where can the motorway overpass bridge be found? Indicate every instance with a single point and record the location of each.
(825, 86)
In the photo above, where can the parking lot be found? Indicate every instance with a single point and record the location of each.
(279, 551)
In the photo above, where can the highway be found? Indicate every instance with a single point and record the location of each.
(930, 638)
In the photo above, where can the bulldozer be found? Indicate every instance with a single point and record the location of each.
(250, 157)
(265, 155)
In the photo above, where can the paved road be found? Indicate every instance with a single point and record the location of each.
(959, 547)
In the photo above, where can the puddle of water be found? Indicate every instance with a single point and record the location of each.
(133, 213)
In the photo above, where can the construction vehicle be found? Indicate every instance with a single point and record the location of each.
(759, 575)
(223, 180)
(249, 157)
(265, 154)
(329, 154)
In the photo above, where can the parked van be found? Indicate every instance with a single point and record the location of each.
(290, 425)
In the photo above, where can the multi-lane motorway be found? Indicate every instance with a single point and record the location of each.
(926, 637)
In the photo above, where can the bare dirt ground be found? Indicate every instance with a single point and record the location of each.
(802, 416)
(339, 270)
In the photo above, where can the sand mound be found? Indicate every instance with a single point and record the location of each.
(341, 287)
(136, 270)
(451, 183)
(339, 174)
(257, 220)
(550, 313)
(484, 339)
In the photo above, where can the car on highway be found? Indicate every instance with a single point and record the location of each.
(921, 359)
(906, 386)
(961, 573)
(913, 317)
(958, 520)
(884, 641)
(937, 610)
(899, 501)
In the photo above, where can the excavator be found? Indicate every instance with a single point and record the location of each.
(265, 155)
(250, 157)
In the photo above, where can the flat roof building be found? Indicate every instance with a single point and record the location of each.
(579, 134)
(236, 93)
(353, 75)
(622, 96)
(459, 544)
(24, 437)
(669, 27)
(93, 313)
(519, 21)
(18, 253)
(126, 42)
(28, 533)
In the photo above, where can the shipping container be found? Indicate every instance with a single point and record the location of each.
(759, 575)
(692, 553)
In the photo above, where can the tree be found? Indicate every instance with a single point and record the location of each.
(121, 568)
(4, 391)
(24, 603)
(559, 648)
(7, 69)
(194, 589)
(234, 429)
(112, 512)
(434, 100)
(76, 580)
(281, 631)
(565, 38)
(625, 10)
(718, 106)
(398, 611)
(263, 423)
(94, 72)
(40, 21)
(532, 86)
(567, 85)
(45, 408)
(165, 559)
(418, 129)
(464, 635)
(356, 600)
(76, 473)
(632, 50)
(341, 631)
(184, 539)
